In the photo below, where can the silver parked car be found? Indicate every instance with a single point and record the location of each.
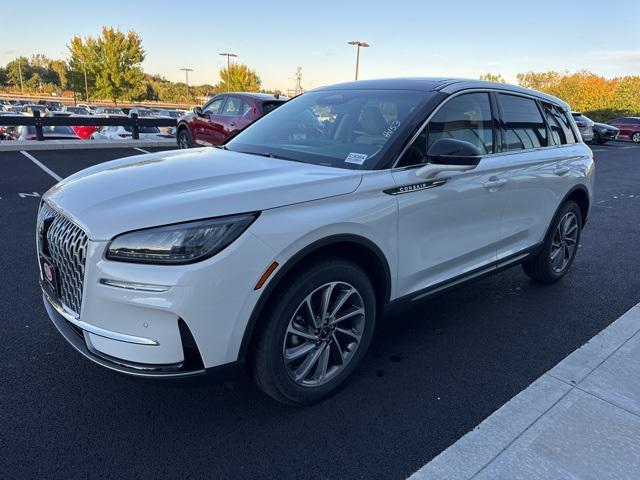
(585, 126)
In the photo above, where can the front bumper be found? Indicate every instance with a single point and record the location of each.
(76, 333)
(194, 323)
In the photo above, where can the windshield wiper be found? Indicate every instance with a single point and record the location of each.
(271, 155)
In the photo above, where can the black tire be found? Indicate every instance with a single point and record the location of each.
(635, 137)
(184, 138)
(272, 373)
(596, 137)
(602, 141)
(541, 267)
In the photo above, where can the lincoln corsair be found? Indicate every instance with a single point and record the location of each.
(281, 249)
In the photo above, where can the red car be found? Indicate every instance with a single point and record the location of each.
(629, 127)
(222, 117)
(84, 131)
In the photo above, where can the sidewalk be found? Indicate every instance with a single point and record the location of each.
(580, 420)
(29, 145)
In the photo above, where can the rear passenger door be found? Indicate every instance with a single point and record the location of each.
(533, 163)
(233, 116)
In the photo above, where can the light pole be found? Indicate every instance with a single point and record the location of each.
(228, 55)
(20, 72)
(186, 75)
(358, 44)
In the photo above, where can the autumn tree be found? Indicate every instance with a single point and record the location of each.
(491, 77)
(113, 60)
(239, 78)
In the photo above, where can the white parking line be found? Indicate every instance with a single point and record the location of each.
(41, 165)
(141, 150)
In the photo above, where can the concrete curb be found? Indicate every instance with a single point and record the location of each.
(561, 426)
(15, 146)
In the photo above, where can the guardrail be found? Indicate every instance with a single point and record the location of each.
(39, 121)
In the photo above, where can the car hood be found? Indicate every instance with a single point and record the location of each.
(605, 126)
(170, 187)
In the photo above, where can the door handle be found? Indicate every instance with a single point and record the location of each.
(233, 124)
(561, 170)
(494, 183)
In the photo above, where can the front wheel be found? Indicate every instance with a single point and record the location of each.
(316, 333)
(636, 137)
(559, 248)
(184, 139)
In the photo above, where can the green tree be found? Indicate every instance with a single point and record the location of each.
(60, 69)
(14, 67)
(239, 78)
(113, 60)
(3, 76)
(492, 77)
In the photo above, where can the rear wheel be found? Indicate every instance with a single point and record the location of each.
(316, 333)
(559, 248)
(184, 138)
(636, 137)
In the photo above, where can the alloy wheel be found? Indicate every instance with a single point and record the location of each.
(564, 242)
(323, 334)
(183, 141)
(636, 137)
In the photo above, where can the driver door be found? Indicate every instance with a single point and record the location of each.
(449, 225)
(208, 128)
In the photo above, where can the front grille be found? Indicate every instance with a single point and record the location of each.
(65, 244)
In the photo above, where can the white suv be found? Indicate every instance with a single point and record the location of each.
(281, 249)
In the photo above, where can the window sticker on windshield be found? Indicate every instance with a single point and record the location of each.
(357, 158)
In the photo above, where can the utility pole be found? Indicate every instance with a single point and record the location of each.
(20, 72)
(358, 44)
(228, 55)
(298, 89)
(186, 75)
(86, 86)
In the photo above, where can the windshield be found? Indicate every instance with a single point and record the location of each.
(52, 129)
(339, 128)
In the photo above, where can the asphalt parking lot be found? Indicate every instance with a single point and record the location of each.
(433, 373)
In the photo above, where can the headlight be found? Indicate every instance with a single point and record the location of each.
(179, 243)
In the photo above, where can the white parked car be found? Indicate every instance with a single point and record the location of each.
(27, 110)
(281, 249)
(126, 133)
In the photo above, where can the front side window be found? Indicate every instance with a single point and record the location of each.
(525, 127)
(213, 108)
(466, 117)
(339, 128)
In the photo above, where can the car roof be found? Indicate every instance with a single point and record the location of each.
(447, 85)
(256, 95)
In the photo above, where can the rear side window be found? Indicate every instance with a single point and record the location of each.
(235, 107)
(525, 127)
(466, 117)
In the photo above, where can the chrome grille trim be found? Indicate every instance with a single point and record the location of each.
(66, 246)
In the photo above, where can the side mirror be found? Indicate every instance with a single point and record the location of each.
(198, 111)
(450, 155)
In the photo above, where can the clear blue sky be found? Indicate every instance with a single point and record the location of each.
(408, 38)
